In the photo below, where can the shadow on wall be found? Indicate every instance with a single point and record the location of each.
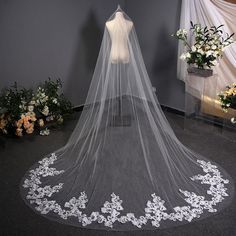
(84, 61)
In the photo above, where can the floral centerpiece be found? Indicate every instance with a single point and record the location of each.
(22, 110)
(228, 99)
(207, 48)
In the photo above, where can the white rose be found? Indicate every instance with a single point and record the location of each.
(233, 120)
(181, 32)
(198, 28)
(41, 122)
(45, 110)
(54, 100)
(188, 55)
(209, 53)
(45, 132)
(194, 49)
(215, 54)
(231, 40)
(183, 57)
(213, 47)
(30, 108)
(201, 51)
(225, 43)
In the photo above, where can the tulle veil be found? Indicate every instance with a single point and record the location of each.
(123, 168)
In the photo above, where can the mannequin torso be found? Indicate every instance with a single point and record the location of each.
(119, 29)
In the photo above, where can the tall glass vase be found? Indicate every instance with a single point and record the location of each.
(201, 100)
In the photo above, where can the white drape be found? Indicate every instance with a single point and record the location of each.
(209, 13)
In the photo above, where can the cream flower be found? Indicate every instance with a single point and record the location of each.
(188, 55)
(233, 120)
(194, 49)
(41, 122)
(200, 51)
(181, 32)
(209, 53)
(45, 132)
(45, 110)
(183, 56)
(30, 130)
(19, 132)
(54, 100)
(213, 47)
(214, 62)
(30, 108)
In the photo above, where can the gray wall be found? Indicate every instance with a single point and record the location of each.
(155, 21)
(58, 38)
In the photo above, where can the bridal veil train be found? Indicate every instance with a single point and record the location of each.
(123, 168)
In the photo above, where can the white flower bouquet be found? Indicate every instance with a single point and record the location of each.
(207, 47)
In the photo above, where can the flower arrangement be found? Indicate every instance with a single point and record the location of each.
(228, 99)
(208, 45)
(22, 110)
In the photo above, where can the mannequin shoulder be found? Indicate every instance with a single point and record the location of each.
(130, 24)
(109, 24)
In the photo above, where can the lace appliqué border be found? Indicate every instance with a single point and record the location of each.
(155, 210)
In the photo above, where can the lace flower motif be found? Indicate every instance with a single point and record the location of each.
(155, 210)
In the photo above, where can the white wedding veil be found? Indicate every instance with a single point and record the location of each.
(123, 168)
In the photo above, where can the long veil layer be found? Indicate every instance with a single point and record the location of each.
(123, 168)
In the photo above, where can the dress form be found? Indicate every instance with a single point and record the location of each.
(119, 29)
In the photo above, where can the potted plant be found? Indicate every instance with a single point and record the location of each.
(207, 48)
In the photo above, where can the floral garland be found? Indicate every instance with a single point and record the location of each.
(155, 210)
